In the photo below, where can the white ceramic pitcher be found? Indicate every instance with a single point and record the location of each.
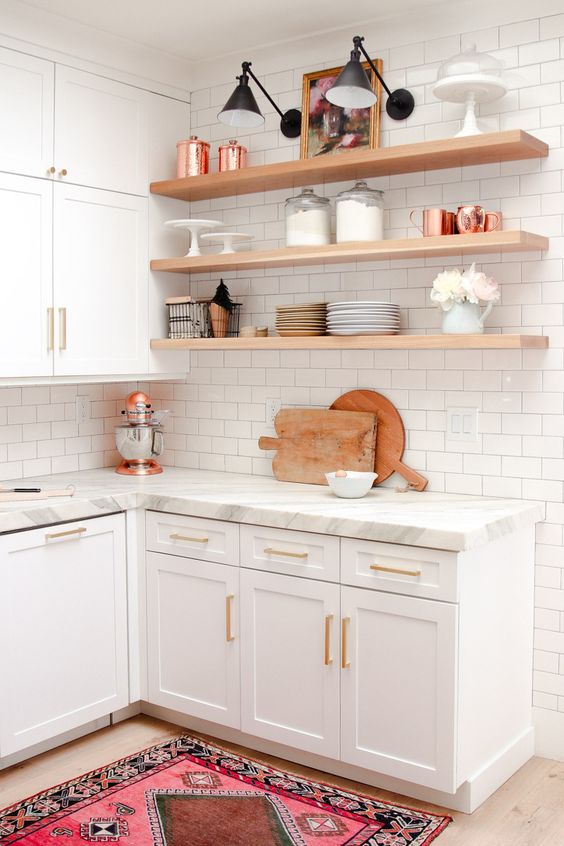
(465, 319)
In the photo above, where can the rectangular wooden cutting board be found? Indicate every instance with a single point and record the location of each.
(314, 441)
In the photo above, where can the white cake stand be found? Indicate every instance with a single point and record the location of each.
(194, 226)
(227, 239)
(470, 88)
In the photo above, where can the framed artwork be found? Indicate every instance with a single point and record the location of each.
(329, 129)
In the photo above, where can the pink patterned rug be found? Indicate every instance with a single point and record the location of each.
(188, 793)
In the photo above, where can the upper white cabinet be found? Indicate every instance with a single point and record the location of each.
(399, 686)
(77, 296)
(26, 316)
(100, 273)
(26, 104)
(64, 629)
(101, 132)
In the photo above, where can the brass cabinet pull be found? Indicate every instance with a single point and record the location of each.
(228, 634)
(395, 570)
(327, 657)
(50, 329)
(63, 171)
(270, 551)
(344, 630)
(65, 534)
(176, 536)
(51, 169)
(62, 329)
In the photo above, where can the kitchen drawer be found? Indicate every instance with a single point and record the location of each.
(411, 570)
(291, 553)
(193, 537)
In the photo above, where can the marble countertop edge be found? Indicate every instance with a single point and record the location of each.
(432, 520)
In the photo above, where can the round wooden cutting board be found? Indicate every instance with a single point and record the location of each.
(390, 435)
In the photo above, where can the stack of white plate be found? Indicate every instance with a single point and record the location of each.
(302, 319)
(363, 318)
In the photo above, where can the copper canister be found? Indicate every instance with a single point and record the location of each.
(232, 156)
(192, 157)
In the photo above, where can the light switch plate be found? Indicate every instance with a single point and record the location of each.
(82, 410)
(462, 424)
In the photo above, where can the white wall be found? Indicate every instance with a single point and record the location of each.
(519, 394)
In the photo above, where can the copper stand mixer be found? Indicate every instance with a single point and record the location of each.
(140, 440)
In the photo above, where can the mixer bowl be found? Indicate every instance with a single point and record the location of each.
(138, 445)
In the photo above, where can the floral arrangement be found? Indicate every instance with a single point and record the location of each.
(455, 286)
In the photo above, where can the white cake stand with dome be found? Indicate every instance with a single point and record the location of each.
(470, 77)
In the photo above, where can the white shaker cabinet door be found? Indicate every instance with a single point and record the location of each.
(100, 282)
(26, 316)
(398, 686)
(101, 132)
(290, 661)
(193, 637)
(63, 629)
(26, 106)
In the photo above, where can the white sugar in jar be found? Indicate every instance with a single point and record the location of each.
(360, 214)
(308, 220)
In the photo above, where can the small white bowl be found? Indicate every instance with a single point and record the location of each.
(352, 486)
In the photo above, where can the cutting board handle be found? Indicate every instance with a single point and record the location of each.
(412, 476)
(269, 443)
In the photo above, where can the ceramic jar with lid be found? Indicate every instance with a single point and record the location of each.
(360, 214)
(308, 220)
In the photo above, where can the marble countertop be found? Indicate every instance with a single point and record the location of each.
(428, 519)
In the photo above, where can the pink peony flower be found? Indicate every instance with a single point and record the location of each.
(479, 287)
(485, 288)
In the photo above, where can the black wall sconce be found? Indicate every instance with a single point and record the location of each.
(242, 109)
(352, 89)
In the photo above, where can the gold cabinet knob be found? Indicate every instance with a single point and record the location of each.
(51, 169)
(63, 172)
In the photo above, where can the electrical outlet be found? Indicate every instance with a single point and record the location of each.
(273, 406)
(82, 410)
(462, 424)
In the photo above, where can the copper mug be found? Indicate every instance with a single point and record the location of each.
(492, 221)
(435, 222)
(473, 219)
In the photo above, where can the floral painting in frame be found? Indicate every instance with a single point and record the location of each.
(328, 129)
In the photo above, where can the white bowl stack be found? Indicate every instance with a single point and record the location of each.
(363, 317)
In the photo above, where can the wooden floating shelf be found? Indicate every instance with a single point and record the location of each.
(506, 146)
(359, 342)
(402, 248)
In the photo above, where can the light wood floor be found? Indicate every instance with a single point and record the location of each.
(527, 811)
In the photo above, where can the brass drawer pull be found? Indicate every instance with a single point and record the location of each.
(270, 551)
(381, 569)
(62, 329)
(66, 534)
(327, 656)
(344, 631)
(176, 536)
(51, 329)
(228, 634)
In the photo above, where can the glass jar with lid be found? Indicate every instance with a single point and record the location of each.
(308, 220)
(360, 214)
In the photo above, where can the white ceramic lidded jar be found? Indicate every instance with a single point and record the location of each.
(308, 220)
(360, 214)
